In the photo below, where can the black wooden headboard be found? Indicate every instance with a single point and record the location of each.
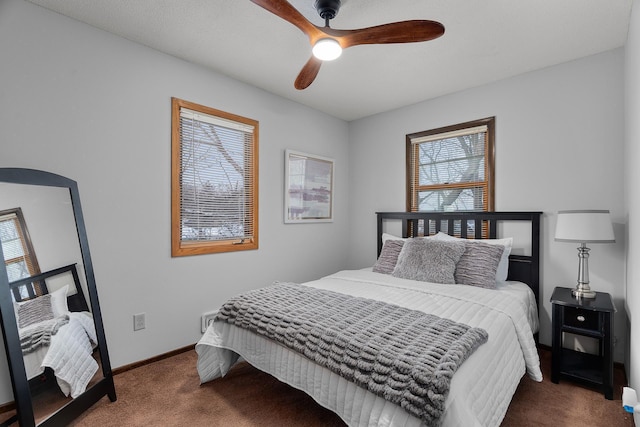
(479, 225)
(76, 302)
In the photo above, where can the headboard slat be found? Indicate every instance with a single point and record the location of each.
(477, 225)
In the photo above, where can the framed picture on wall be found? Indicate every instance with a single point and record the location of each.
(308, 188)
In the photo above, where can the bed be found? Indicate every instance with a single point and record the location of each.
(56, 329)
(497, 325)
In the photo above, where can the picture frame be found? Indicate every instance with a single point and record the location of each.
(308, 191)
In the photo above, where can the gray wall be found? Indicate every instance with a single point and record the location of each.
(85, 104)
(96, 108)
(632, 178)
(559, 145)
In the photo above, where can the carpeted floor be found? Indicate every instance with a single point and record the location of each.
(565, 404)
(167, 393)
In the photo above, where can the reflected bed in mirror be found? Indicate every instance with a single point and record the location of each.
(57, 334)
(48, 301)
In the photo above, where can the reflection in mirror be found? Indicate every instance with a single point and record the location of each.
(19, 256)
(53, 301)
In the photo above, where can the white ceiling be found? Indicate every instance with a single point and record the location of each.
(484, 41)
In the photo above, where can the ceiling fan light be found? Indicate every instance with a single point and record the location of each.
(327, 49)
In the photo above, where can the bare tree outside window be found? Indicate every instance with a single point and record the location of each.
(452, 168)
(214, 181)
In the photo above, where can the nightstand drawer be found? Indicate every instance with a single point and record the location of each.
(579, 318)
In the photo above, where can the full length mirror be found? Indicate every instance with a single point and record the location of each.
(51, 319)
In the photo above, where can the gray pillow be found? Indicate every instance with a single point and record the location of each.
(388, 256)
(34, 311)
(429, 260)
(478, 265)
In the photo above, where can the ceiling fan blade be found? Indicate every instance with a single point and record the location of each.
(308, 73)
(286, 11)
(395, 32)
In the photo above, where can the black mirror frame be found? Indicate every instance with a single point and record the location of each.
(21, 392)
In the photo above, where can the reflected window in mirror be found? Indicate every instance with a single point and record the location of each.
(20, 258)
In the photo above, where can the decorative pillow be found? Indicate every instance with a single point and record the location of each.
(34, 311)
(507, 243)
(388, 256)
(478, 265)
(59, 304)
(429, 260)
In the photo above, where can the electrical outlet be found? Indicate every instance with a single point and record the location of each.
(207, 319)
(139, 321)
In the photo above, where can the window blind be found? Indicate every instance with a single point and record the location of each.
(450, 134)
(216, 178)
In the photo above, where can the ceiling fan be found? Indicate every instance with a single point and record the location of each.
(328, 42)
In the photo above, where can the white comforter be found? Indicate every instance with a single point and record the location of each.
(481, 390)
(69, 355)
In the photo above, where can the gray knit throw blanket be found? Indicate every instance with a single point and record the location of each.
(39, 335)
(405, 356)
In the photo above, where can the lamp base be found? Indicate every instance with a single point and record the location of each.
(582, 290)
(583, 293)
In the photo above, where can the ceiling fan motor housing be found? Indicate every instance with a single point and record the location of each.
(327, 9)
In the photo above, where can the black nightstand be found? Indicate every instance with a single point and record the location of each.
(589, 317)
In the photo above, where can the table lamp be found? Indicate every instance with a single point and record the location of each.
(584, 226)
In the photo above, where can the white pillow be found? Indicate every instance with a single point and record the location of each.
(387, 236)
(59, 301)
(503, 265)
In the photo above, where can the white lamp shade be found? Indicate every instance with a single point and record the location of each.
(327, 49)
(584, 226)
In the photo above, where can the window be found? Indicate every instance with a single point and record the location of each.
(19, 256)
(214, 182)
(452, 168)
